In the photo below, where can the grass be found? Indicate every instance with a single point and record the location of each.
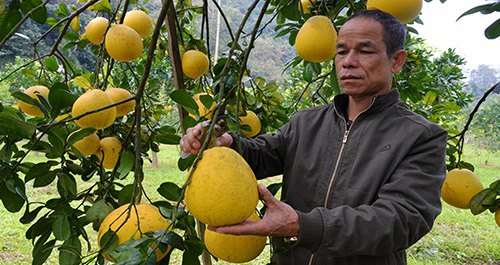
(458, 237)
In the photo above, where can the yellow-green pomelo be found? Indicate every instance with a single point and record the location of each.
(88, 144)
(316, 40)
(123, 43)
(404, 10)
(31, 91)
(109, 152)
(118, 94)
(305, 5)
(139, 21)
(459, 187)
(223, 188)
(127, 226)
(233, 248)
(95, 29)
(252, 120)
(194, 63)
(92, 100)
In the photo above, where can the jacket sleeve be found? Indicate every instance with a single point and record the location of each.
(264, 153)
(404, 211)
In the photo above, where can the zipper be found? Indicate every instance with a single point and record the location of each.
(330, 185)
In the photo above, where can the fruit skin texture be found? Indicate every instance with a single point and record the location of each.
(95, 30)
(459, 187)
(194, 63)
(88, 145)
(203, 111)
(91, 100)
(28, 108)
(119, 94)
(235, 249)
(123, 43)
(251, 120)
(150, 219)
(139, 21)
(223, 188)
(316, 40)
(405, 10)
(110, 147)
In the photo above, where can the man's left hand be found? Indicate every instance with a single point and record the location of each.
(280, 219)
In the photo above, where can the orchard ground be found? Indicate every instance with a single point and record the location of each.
(458, 237)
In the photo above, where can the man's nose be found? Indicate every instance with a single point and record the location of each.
(350, 60)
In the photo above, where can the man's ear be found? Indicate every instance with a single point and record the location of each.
(398, 59)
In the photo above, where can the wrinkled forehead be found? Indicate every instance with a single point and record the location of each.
(365, 30)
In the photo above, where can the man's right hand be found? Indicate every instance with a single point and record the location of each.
(189, 143)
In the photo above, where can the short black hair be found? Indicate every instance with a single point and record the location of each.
(394, 31)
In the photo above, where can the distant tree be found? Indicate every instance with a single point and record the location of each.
(482, 78)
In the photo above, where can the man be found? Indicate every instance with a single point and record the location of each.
(361, 176)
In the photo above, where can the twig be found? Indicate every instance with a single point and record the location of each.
(18, 25)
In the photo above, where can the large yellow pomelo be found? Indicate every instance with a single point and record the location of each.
(405, 10)
(95, 29)
(139, 21)
(88, 144)
(194, 63)
(28, 108)
(305, 5)
(118, 94)
(223, 188)
(316, 40)
(251, 120)
(150, 220)
(123, 43)
(109, 152)
(233, 248)
(91, 100)
(459, 187)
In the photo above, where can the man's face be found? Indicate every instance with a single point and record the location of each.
(363, 68)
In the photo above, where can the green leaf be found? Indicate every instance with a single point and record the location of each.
(61, 228)
(37, 170)
(40, 16)
(127, 162)
(66, 185)
(126, 194)
(45, 179)
(51, 64)
(170, 191)
(13, 202)
(83, 82)
(8, 20)
(173, 239)
(482, 201)
(99, 211)
(29, 73)
(430, 96)
(167, 138)
(29, 216)
(184, 164)
(70, 252)
(183, 98)
(493, 31)
(15, 127)
(2, 5)
(60, 97)
(109, 241)
(102, 6)
(80, 134)
(41, 251)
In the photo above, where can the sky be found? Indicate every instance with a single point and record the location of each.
(442, 30)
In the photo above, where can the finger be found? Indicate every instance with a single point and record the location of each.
(247, 227)
(266, 195)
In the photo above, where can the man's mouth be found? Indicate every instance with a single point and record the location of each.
(349, 77)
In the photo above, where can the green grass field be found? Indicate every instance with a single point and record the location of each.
(458, 237)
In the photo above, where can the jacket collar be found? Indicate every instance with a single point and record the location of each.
(379, 102)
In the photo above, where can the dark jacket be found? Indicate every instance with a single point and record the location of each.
(363, 195)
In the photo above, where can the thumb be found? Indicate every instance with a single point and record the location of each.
(224, 140)
(267, 196)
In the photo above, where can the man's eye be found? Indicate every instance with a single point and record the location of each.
(341, 52)
(366, 52)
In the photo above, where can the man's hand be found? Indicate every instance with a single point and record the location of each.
(190, 144)
(280, 219)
